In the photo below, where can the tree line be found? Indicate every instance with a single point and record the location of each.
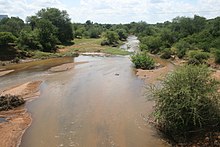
(179, 37)
(51, 27)
(42, 31)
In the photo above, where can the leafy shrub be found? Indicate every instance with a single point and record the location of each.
(198, 57)
(182, 47)
(154, 43)
(104, 42)
(143, 47)
(166, 54)
(6, 37)
(29, 40)
(187, 102)
(217, 56)
(112, 37)
(143, 61)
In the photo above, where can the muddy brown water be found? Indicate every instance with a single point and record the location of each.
(97, 104)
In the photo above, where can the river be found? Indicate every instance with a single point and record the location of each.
(100, 103)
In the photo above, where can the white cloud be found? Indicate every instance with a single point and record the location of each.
(116, 11)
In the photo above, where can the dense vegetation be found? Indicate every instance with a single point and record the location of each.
(143, 60)
(188, 103)
(43, 31)
(51, 27)
(179, 36)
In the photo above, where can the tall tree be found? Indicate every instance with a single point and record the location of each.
(13, 25)
(47, 35)
(59, 19)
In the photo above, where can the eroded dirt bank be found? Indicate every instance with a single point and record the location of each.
(16, 121)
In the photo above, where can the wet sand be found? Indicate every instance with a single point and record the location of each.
(65, 67)
(5, 72)
(17, 120)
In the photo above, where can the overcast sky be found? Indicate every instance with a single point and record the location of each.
(115, 11)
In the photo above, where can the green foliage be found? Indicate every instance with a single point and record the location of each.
(61, 20)
(166, 53)
(29, 40)
(187, 102)
(182, 47)
(143, 61)
(13, 25)
(153, 43)
(122, 34)
(112, 37)
(6, 37)
(47, 35)
(198, 57)
(143, 47)
(217, 56)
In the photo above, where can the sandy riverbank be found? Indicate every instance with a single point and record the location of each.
(17, 120)
(65, 67)
(5, 72)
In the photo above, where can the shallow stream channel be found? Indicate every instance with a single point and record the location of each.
(100, 103)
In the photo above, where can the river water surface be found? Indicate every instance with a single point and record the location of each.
(97, 104)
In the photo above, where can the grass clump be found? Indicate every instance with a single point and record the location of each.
(143, 60)
(187, 103)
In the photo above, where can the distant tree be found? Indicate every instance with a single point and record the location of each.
(94, 32)
(59, 19)
(199, 23)
(217, 56)
(112, 37)
(6, 37)
(29, 39)
(215, 29)
(13, 25)
(154, 43)
(122, 34)
(168, 37)
(47, 35)
(181, 48)
(32, 21)
(89, 22)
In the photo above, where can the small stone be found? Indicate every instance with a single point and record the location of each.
(218, 137)
(216, 142)
(117, 74)
(207, 139)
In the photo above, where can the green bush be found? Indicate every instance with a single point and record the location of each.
(143, 47)
(217, 56)
(198, 57)
(6, 37)
(182, 47)
(187, 102)
(166, 53)
(143, 61)
(112, 37)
